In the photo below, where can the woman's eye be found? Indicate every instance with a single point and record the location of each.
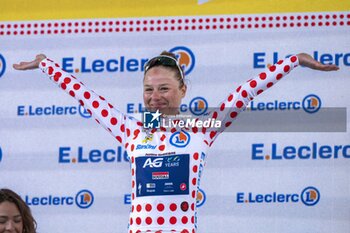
(164, 89)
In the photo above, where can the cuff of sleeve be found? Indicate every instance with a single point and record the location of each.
(295, 60)
(43, 64)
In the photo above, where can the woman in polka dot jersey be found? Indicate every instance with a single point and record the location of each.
(166, 164)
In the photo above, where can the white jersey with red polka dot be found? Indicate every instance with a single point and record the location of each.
(166, 165)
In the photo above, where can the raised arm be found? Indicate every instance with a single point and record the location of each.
(115, 122)
(238, 100)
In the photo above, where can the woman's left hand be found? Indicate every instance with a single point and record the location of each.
(308, 61)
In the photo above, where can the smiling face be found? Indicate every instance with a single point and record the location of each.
(162, 90)
(10, 218)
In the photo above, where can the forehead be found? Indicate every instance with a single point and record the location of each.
(160, 75)
(8, 208)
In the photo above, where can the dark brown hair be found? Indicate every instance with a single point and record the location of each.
(175, 69)
(29, 223)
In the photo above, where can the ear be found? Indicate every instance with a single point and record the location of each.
(183, 90)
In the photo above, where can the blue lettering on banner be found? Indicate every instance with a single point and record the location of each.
(162, 175)
(83, 199)
(266, 198)
(0, 154)
(131, 108)
(127, 199)
(52, 110)
(65, 155)
(122, 63)
(310, 104)
(49, 200)
(303, 152)
(309, 197)
(259, 58)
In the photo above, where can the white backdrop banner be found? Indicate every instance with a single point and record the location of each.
(75, 176)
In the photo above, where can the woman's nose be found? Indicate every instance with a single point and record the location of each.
(155, 95)
(9, 225)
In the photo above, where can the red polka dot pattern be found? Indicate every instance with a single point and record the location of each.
(164, 212)
(169, 24)
(238, 101)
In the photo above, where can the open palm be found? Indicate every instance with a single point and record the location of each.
(24, 65)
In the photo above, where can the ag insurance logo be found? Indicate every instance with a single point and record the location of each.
(83, 199)
(2, 65)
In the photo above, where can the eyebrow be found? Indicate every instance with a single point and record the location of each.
(161, 85)
(5, 216)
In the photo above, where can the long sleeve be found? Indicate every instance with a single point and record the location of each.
(119, 125)
(238, 100)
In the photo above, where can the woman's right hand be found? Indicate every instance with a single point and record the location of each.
(29, 65)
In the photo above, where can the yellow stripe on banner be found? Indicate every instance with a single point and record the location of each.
(80, 9)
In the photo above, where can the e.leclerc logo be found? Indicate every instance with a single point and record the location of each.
(123, 63)
(309, 196)
(83, 199)
(185, 57)
(310, 104)
(201, 198)
(53, 110)
(180, 139)
(339, 59)
(81, 155)
(276, 151)
(198, 106)
(2, 65)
